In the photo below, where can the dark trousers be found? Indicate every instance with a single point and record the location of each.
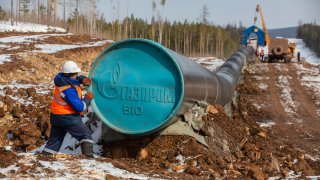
(60, 125)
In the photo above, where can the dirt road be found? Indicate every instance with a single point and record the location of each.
(291, 105)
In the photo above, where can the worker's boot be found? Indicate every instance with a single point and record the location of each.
(46, 153)
(87, 148)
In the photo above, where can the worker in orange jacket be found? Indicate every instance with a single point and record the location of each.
(66, 106)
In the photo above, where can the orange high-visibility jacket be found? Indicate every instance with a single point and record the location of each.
(59, 105)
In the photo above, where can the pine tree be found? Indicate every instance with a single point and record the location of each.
(2, 13)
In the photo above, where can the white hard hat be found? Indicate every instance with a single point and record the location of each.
(70, 67)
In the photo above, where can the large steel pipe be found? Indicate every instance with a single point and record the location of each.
(141, 87)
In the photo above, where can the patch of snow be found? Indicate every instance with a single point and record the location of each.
(21, 100)
(313, 158)
(287, 101)
(202, 59)
(5, 58)
(54, 48)
(68, 168)
(96, 135)
(26, 39)
(309, 77)
(54, 165)
(310, 56)
(14, 48)
(211, 63)
(181, 159)
(3, 46)
(257, 106)
(261, 78)
(292, 175)
(313, 177)
(87, 165)
(281, 67)
(263, 67)
(266, 124)
(8, 169)
(274, 178)
(8, 148)
(5, 26)
(263, 86)
(40, 89)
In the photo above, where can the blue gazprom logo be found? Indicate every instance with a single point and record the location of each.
(112, 89)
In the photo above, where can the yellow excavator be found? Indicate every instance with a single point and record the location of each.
(279, 49)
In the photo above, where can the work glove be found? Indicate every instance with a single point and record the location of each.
(86, 81)
(88, 97)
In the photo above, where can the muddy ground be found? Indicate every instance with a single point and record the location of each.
(239, 147)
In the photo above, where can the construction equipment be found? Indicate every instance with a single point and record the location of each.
(141, 87)
(259, 40)
(279, 49)
(266, 34)
(262, 36)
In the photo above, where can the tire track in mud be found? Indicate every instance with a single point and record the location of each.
(302, 128)
(307, 107)
(275, 103)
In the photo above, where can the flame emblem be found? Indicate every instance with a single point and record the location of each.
(109, 88)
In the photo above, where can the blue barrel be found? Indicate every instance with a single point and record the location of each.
(140, 87)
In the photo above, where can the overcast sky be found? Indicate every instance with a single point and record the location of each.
(277, 13)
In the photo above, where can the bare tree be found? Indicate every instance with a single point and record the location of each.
(48, 12)
(42, 11)
(17, 11)
(127, 19)
(153, 24)
(24, 6)
(38, 19)
(11, 13)
(92, 15)
(64, 14)
(162, 3)
(55, 11)
(118, 20)
(77, 16)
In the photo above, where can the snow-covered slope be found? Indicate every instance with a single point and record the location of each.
(5, 26)
(309, 55)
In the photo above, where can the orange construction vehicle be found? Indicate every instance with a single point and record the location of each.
(279, 49)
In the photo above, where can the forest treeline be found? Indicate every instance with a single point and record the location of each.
(191, 38)
(310, 33)
(188, 38)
